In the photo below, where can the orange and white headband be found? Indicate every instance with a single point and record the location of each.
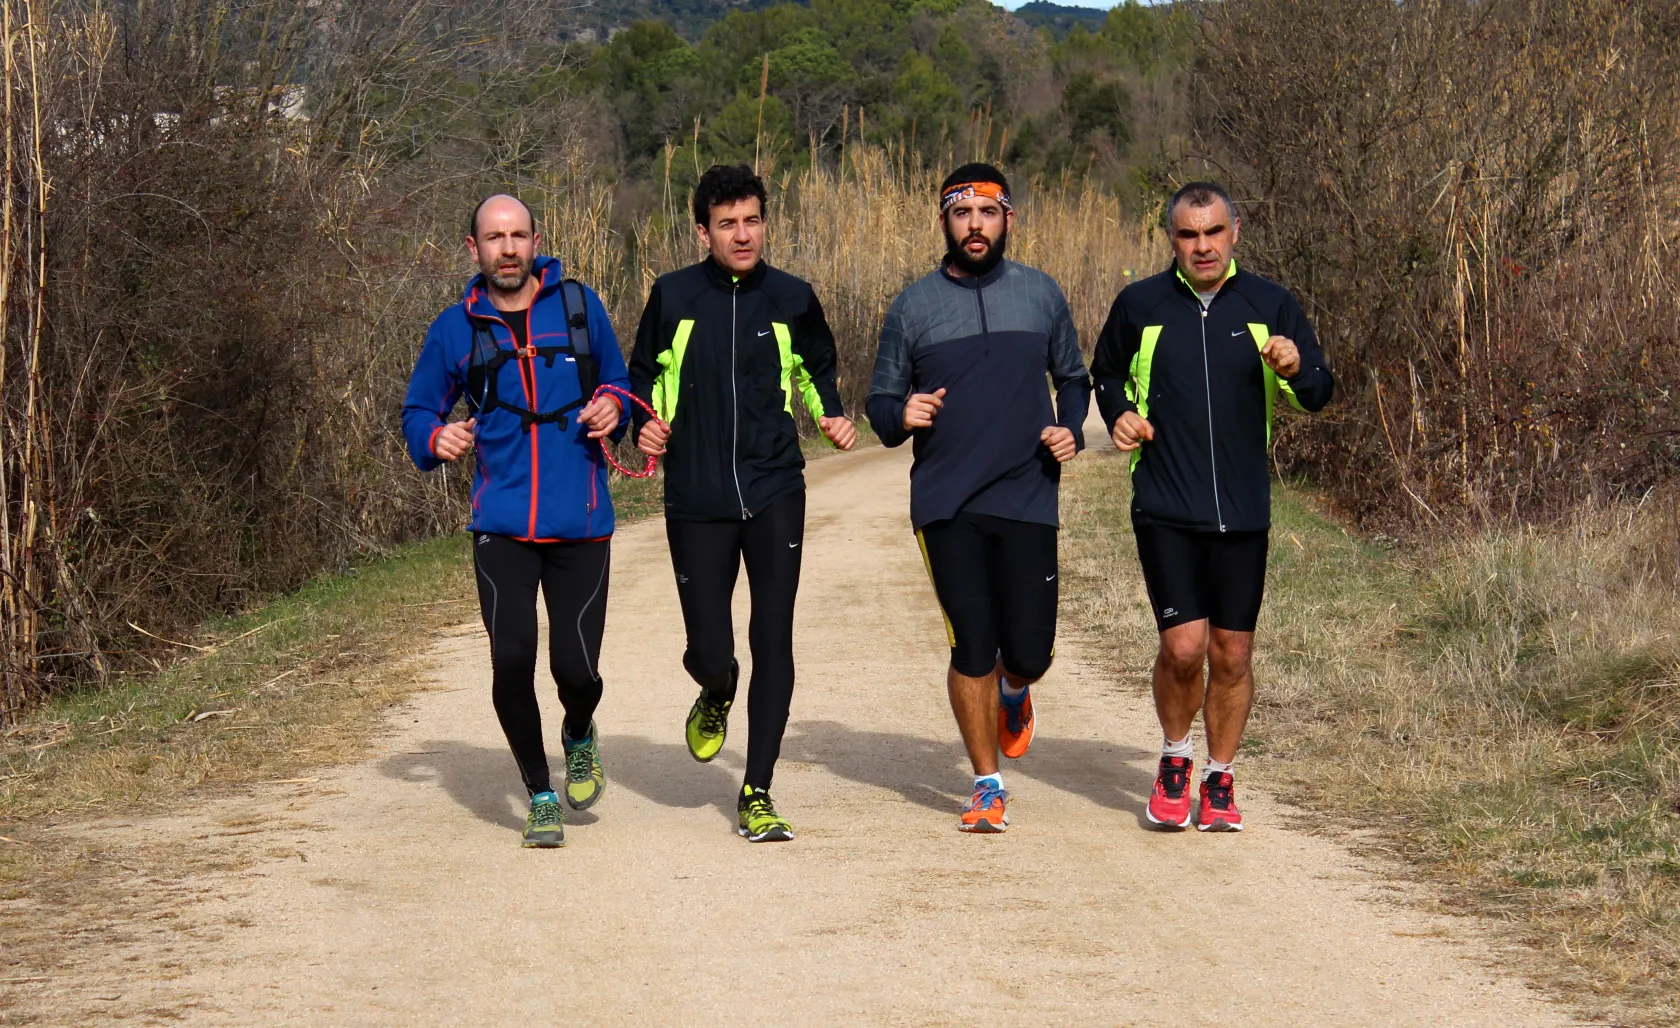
(970, 190)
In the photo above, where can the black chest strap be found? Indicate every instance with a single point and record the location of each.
(485, 363)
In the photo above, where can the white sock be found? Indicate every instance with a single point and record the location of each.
(1181, 748)
(1214, 767)
(996, 780)
(1012, 693)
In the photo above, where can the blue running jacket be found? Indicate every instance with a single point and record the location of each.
(546, 482)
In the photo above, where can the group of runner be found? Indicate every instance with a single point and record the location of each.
(1186, 371)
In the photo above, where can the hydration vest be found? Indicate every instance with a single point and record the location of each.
(485, 366)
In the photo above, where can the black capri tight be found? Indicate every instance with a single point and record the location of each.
(573, 577)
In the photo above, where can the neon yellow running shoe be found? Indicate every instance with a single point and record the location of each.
(759, 821)
(585, 780)
(545, 825)
(708, 726)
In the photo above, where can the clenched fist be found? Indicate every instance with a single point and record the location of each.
(921, 407)
(1131, 432)
(840, 431)
(652, 438)
(1060, 441)
(455, 440)
(1281, 356)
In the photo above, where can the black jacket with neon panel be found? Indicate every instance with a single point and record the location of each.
(722, 359)
(1197, 377)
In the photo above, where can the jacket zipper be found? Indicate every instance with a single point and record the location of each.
(735, 400)
(1207, 384)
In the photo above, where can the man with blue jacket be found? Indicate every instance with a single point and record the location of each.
(541, 514)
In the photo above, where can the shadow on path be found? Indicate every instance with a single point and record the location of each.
(665, 773)
(932, 774)
(485, 782)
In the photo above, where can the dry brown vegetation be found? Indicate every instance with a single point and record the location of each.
(1479, 201)
(214, 283)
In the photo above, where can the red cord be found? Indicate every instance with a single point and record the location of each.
(606, 444)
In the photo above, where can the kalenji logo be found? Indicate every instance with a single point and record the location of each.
(1169, 612)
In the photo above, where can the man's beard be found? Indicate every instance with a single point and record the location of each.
(510, 282)
(977, 267)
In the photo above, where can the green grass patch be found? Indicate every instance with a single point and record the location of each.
(1506, 707)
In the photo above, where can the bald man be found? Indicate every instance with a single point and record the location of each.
(541, 512)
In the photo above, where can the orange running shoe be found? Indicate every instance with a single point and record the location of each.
(1219, 805)
(1169, 801)
(1015, 725)
(984, 812)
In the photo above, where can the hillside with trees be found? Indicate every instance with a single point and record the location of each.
(930, 76)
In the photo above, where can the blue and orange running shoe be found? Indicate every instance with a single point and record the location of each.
(1015, 724)
(1169, 800)
(984, 813)
(1219, 811)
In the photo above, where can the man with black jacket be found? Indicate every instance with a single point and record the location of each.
(964, 356)
(724, 348)
(1187, 369)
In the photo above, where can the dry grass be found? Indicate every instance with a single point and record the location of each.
(1503, 707)
(297, 684)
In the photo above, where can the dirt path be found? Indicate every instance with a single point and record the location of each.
(394, 892)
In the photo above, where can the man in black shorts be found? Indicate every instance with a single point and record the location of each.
(961, 369)
(1187, 369)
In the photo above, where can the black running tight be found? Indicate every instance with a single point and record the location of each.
(573, 577)
(707, 556)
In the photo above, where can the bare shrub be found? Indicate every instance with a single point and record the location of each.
(210, 298)
(1477, 198)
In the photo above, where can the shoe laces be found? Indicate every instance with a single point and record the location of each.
(984, 797)
(1219, 791)
(714, 715)
(1015, 713)
(580, 763)
(758, 806)
(545, 814)
(1174, 776)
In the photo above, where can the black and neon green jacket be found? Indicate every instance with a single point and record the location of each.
(1197, 377)
(723, 360)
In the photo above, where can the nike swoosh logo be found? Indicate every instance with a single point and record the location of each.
(761, 335)
(793, 546)
(1236, 334)
(1052, 578)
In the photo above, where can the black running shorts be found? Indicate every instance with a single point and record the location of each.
(1219, 576)
(997, 582)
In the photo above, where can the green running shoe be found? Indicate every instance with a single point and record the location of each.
(708, 726)
(584, 778)
(759, 820)
(545, 825)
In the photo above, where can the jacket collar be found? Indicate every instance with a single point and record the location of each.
(1184, 284)
(972, 281)
(546, 270)
(727, 280)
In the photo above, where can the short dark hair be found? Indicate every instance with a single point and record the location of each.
(725, 184)
(472, 222)
(1199, 194)
(975, 172)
